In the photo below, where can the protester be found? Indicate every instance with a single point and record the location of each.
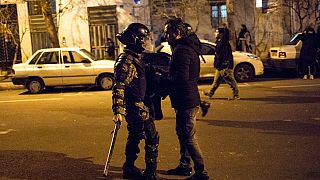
(243, 40)
(204, 105)
(223, 64)
(128, 96)
(308, 53)
(183, 90)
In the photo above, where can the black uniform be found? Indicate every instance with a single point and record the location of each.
(129, 100)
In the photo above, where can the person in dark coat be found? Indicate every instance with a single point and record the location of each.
(110, 48)
(244, 39)
(204, 105)
(308, 53)
(223, 64)
(184, 71)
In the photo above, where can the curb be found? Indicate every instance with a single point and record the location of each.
(6, 84)
(10, 86)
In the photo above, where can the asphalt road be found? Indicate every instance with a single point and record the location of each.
(271, 133)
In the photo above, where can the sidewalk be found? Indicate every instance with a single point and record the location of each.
(6, 83)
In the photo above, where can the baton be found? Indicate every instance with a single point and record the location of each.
(113, 142)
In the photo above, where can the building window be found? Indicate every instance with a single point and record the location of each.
(263, 5)
(34, 7)
(137, 1)
(259, 3)
(218, 14)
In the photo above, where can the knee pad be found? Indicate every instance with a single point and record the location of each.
(136, 130)
(151, 147)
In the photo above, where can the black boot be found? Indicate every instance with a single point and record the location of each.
(149, 176)
(199, 176)
(204, 105)
(131, 172)
(181, 171)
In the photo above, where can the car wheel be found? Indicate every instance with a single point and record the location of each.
(243, 73)
(35, 85)
(105, 81)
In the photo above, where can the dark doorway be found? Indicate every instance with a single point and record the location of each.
(9, 37)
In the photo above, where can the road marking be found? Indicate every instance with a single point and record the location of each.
(6, 131)
(30, 100)
(306, 85)
(78, 94)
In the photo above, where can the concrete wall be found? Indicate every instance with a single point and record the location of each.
(74, 26)
(72, 20)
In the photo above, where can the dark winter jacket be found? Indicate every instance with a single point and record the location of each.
(309, 48)
(184, 73)
(223, 58)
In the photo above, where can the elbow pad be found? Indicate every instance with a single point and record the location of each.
(118, 106)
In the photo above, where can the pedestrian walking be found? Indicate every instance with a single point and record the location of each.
(183, 90)
(308, 53)
(128, 97)
(243, 40)
(223, 64)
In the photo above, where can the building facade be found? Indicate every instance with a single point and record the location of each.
(87, 23)
(79, 23)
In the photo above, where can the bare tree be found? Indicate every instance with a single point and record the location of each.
(52, 31)
(180, 8)
(10, 35)
(306, 12)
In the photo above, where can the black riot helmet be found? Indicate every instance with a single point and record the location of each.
(134, 34)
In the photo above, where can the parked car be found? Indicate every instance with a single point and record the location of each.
(246, 65)
(62, 67)
(285, 57)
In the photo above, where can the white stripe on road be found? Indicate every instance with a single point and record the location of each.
(30, 100)
(6, 131)
(294, 86)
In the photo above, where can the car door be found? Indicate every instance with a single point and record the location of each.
(206, 68)
(76, 69)
(48, 67)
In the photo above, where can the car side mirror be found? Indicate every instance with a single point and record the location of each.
(86, 61)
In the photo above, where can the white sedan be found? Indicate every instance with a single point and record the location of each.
(246, 65)
(62, 67)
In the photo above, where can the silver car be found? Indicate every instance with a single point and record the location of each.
(246, 65)
(52, 67)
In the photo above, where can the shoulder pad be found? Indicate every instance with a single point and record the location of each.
(125, 58)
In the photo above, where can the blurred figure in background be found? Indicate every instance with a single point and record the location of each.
(308, 53)
(110, 48)
(243, 40)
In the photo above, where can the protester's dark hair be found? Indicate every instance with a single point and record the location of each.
(177, 24)
(224, 34)
(244, 27)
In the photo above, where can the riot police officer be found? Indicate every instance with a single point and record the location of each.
(128, 95)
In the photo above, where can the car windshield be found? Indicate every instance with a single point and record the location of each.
(89, 54)
(295, 39)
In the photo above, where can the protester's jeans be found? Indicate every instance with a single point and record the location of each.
(308, 67)
(228, 77)
(186, 130)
